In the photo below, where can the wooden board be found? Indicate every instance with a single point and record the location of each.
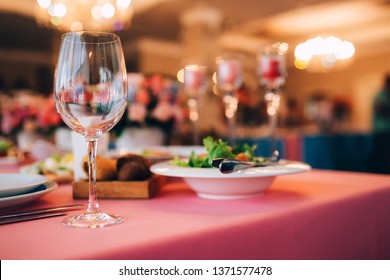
(121, 189)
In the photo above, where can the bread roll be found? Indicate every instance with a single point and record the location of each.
(105, 168)
(132, 167)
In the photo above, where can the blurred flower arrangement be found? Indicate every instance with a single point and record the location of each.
(30, 113)
(154, 101)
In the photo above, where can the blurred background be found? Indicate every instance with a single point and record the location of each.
(334, 113)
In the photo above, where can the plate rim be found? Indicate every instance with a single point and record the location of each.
(165, 168)
(27, 197)
(12, 190)
(173, 150)
(8, 160)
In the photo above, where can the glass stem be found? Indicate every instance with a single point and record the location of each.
(232, 125)
(93, 205)
(195, 133)
(272, 98)
(231, 103)
(273, 124)
(194, 117)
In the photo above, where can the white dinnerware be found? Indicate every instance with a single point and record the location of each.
(158, 152)
(15, 183)
(21, 199)
(212, 184)
(8, 160)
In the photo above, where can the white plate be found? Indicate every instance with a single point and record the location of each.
(18, 183)
(8, 160)
(28, 197)
(211, 183)
(159, 153)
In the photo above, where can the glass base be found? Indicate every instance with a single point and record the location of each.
(93, 220)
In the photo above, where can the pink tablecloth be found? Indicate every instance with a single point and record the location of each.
(313, 215)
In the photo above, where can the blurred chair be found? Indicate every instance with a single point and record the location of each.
(264, 145)
(348, 152)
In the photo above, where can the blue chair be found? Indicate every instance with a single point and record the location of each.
(263, 145)
(348, 152)
(317, 151)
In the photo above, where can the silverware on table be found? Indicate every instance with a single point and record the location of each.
(227, 165)
(30, 217)
(40, 213)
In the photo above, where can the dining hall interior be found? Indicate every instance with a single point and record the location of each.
(328, 103)
(303, 84)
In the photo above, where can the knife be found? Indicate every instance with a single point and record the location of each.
(37, 212)
(4, 221)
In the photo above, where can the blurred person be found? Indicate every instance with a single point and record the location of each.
(381, 129)
(319, 111)
(292, 117)
(381, 113)
(342, 110)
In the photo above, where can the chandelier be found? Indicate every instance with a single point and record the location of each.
(76, 15)
(322, 52)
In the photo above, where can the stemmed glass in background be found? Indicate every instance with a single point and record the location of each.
(90, 91)
(195, 84)
(272, 74)
(229, 79)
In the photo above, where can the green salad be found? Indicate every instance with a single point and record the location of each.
(5, 144)
(217, 149)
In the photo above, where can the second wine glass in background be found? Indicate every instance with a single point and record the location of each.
(195, 84)
(271, 72)
(229, 78)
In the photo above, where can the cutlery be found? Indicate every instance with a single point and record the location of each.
(40, 211)
(29, 217)
(227, 165)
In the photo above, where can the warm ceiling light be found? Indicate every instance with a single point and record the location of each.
(180, 75)
(57, 10)
(74, 15)
(329, 50)
(123, 4)
(108, 10)
(44, 4)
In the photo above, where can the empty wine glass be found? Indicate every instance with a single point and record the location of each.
(272, 74)
(229, 79)
(90, 91)
(194, 85)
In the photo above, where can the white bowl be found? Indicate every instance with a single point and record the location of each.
(212, 184)
(229, 188)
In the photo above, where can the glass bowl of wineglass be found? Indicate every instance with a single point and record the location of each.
(90, 91)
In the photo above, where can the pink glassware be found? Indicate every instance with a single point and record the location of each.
(271, 71)
(229, 79)
(195, 84)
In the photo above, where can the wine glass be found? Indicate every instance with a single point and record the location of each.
(272, 74)
(229, 79)
(90, 91)
(194, 85)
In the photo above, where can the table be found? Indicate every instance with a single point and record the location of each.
(316, 215)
